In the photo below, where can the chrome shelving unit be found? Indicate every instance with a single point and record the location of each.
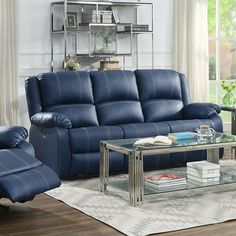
(88, 29)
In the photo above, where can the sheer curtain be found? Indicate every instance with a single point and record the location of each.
(8, 63)
(191, 45)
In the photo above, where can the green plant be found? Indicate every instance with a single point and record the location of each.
(228, 86)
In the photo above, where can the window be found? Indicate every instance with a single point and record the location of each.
(222, 48)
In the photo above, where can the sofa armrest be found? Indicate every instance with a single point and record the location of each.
(11, 136)
(50, 120)
(201, 110)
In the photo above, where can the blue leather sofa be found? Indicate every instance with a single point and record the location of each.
(71, 112)
(22, 176)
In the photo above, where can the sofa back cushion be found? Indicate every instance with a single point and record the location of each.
(116, 97)
(69, 93)
(162, 94)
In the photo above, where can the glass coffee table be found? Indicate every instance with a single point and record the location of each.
(135, 184)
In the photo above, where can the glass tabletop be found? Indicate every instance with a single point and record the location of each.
(128, 144)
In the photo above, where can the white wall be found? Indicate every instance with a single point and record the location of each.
(34, 42)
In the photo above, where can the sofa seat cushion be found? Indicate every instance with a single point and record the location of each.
(162, 109)
(16, 160)
(80, 115)
(119, 112)
(19, 187)
(87, 139)
(145, 129)
(191, 125)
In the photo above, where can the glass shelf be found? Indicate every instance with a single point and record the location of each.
(225, 178)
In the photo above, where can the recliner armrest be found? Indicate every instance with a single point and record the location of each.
(50, 120)
(200, 110)
(11, 136)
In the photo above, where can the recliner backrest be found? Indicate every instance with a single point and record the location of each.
(163, 93)
(116, 97)
(69, 93)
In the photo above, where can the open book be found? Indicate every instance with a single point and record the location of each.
(158, 140)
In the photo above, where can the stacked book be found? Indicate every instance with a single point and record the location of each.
(182, 136)
(203, 172)
(166, 181)
(100, 16)
(137, 28)
(109, 65)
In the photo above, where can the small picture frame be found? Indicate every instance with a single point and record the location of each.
(71, 21)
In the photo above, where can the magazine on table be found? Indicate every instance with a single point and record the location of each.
(166, 179)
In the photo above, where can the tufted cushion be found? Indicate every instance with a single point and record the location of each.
(161, 94)
(87, 139)
(116, 97)
(153, 84)
(190, 125)
(122, 112)
(145, 129)
(162, 109)
(79, 114)
(65, 88)
(114, 86)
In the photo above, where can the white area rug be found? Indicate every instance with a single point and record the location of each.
(167, 212)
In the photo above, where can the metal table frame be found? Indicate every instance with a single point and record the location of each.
(233, 117)
(135, 169)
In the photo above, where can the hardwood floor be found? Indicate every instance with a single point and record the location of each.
(47, 216)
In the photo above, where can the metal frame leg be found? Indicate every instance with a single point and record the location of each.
(104, 167)
(213, 155)
(136, 181)
(233, 130)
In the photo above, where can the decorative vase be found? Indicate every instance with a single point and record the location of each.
(229, 99)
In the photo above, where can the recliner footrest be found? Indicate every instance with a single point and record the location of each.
(19, 186)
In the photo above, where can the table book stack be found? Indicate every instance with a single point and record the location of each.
(166, 181)
(203, 172)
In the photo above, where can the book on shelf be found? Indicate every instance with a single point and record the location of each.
(158, 140)
(203, 173)
(203, 180)
(166, 187)
(182, 136)
(203, 165)
(115, 14)
(137, 28)
(197, 183)
(110, 65)
(166, 179)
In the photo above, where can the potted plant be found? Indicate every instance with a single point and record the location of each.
(229, 98)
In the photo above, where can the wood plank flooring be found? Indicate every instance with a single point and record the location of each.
(47, 216)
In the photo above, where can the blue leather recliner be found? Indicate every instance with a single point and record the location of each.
(22, 176)
(71, 112)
